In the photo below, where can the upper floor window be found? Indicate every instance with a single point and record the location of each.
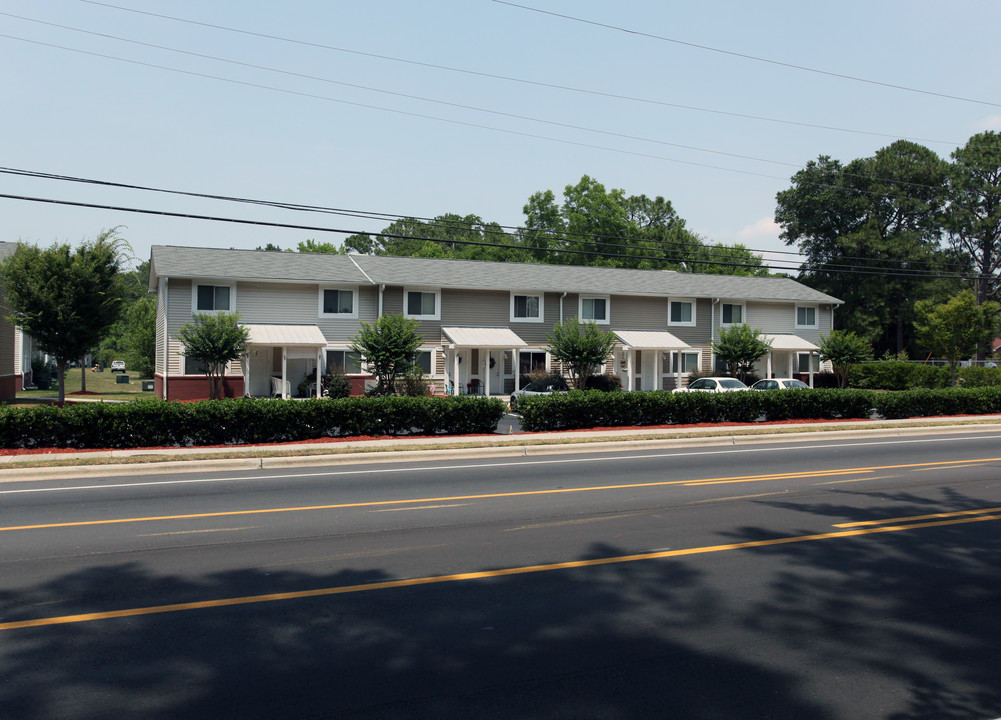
(594, 308)
(338, 302)
(422, 304)
(213, 298)
(732, 314)
(681, 312)
(806, 316)
(526, 308)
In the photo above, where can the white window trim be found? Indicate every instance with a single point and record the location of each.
(434, 358)
(743, 314)
(534, 351)
(608, 308)
(195, 284)
(670, 362)
(344, 349)
(816, 317)
(542, 307)
(437, 302)
(354, 302)
(681, 300)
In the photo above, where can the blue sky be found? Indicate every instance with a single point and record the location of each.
(340, 127)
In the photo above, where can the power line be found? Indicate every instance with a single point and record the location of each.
(312, 228)
(744, 56)
(506, 78)
(709, 251)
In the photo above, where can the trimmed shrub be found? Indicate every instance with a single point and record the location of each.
(154, 423)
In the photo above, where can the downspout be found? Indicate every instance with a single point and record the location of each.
(561, 306)
(712, 336)
(166, 339)
(382, 289)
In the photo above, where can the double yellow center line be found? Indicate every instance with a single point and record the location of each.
(870, 527)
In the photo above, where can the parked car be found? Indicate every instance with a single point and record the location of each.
(540, 387)
(780, 384)
(117, 366)
(714, 384)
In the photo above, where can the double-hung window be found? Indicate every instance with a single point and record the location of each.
(681, 311)
(732, 314)
(806, 316)
(689, 361)
(338, 302)
(346, 361)
(594, 308)
(424, 360)
(531, 361)
(422, 304)
(526, 307)
(213, 298)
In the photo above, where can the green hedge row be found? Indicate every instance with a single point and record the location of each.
(897, 375)
(578, 410)
(154, 423)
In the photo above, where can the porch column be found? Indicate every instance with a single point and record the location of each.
(284, 369)
(319, 375)
(514, 369)
(629, 369)
(245, 366)
(768, 365)
(485, 372)
(809, 365)
(677, 369)
(455, 371)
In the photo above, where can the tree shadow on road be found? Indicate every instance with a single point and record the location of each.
(616, 641)
(920, 606)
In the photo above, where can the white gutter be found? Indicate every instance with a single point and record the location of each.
(561, 306)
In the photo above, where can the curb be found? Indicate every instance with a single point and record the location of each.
(363, 455)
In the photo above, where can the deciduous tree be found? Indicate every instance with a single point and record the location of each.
(214, 340)
(581, 347)
(66, 299)
(956, 329)
(844, 349)
(740, 346)
(389, 348)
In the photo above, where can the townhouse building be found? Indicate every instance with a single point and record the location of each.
(484, 324)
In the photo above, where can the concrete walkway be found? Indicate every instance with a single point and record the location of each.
(73, 463)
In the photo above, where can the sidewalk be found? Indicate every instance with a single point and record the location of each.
(73, 463)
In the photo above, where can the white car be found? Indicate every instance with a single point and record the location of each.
(117, 366)
(780, 384)
(714, 384)
(540, 387)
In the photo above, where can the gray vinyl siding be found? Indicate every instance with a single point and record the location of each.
(178, 313)
(161, 324)
(781, 318)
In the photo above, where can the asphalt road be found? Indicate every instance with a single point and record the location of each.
(826, 580)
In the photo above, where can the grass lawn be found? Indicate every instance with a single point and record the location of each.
(104, 384)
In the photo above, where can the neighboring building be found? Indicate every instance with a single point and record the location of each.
(484, 324)
(16, 348)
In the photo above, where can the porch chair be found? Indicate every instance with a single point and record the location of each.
(277, 390)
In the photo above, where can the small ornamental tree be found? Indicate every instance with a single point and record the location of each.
(956, 329)
(581, 347)
(844, 349)
(215, 341)
(66, 299)
(740, 346)
(389, 348)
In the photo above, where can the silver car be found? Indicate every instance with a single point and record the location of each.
(540, 387)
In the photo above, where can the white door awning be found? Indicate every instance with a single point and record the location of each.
(789, 342)
(286, 335)
(487, 338)
(650, 340)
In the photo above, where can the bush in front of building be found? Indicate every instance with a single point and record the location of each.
(155, 423)
(577, 410)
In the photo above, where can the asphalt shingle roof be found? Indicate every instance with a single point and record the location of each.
(215, 263)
